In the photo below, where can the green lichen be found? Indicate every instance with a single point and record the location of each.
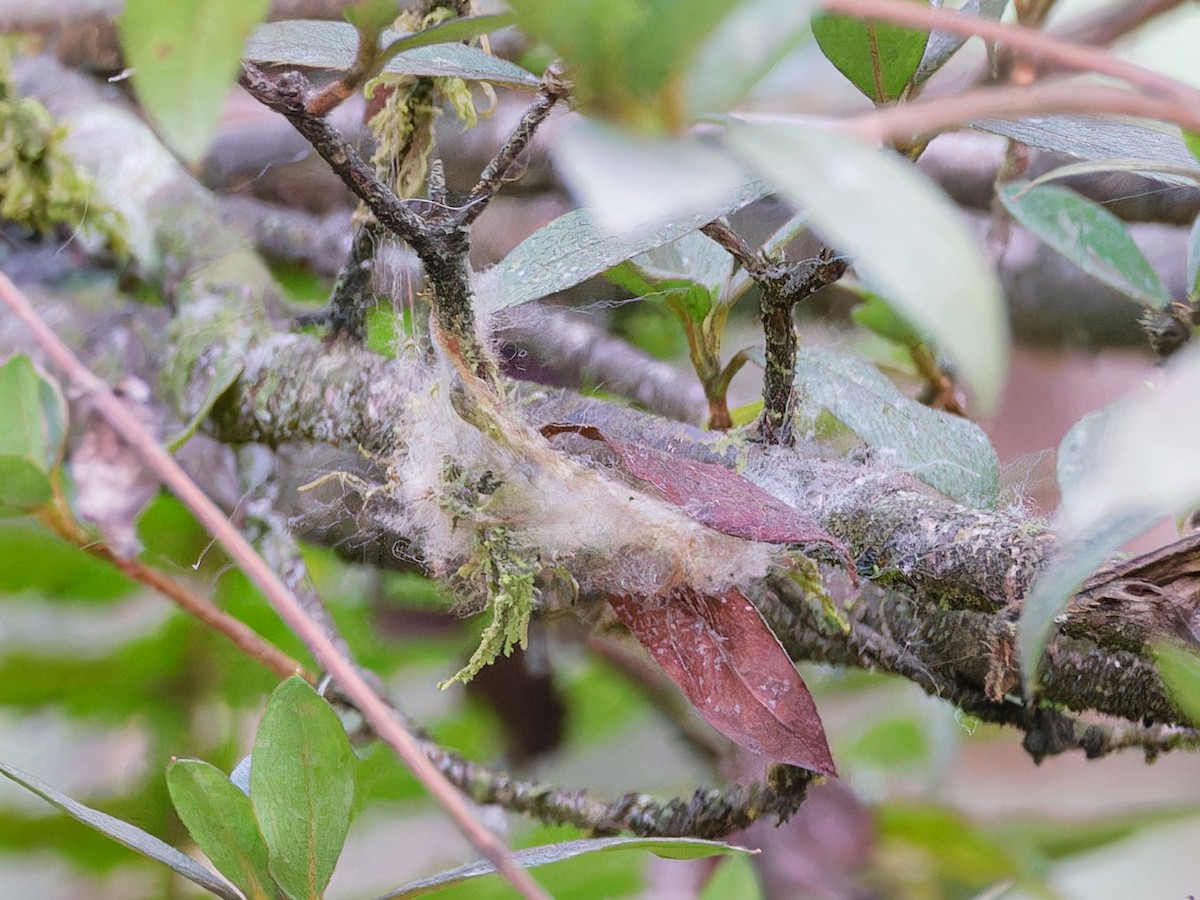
(41, 189)
(406, 122)
(509, 575)
(405, 128)
(807, 575)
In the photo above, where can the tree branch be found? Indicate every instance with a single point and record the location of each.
(783, 285)
(553, 89)
(287, 95)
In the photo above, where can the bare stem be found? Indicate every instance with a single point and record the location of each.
(497, 170)
(58, 517)
(747, 258)
(350, 300)
(926, 117)
(286, 95)
(783, 286)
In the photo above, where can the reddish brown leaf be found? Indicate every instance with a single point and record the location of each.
(713, 495)
(732, 668)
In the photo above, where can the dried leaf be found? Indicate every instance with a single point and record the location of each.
(712, 494)
(113, 485)
(733, 670)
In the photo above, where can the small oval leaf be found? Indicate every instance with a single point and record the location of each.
(33, 422)
(1088, 235)
(333, 45)
(879, 58)
(302, 788)
(221, 821)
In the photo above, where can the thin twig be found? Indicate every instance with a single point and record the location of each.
(1116, 20)
(496, 172)
(373, 708)
(439, 238)
(285, 94)
(239, 633)
(1035, 44)
(926, 117)
(736, 246)
(709, 813)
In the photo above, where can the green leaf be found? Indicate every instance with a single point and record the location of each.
(1191, 140)
(1095, 137)
(691, 259)
(668, 40)
(947, 452)
(222, 373)
(1187, 176)
(1193, 261)
(33, 559)
(33, 421)
(591, 36)
(371, 16)
(575, 247)
(879, 58)
(220, 820)
(123, 833)
(625, 55)
(907, 240)
(1088, 235)
(448, 33)
(875, 315)
(752, 40)
(332, 46)
(1179, 667)
(633, 181)
(668, 848)
(185, 59)
(302, 788)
